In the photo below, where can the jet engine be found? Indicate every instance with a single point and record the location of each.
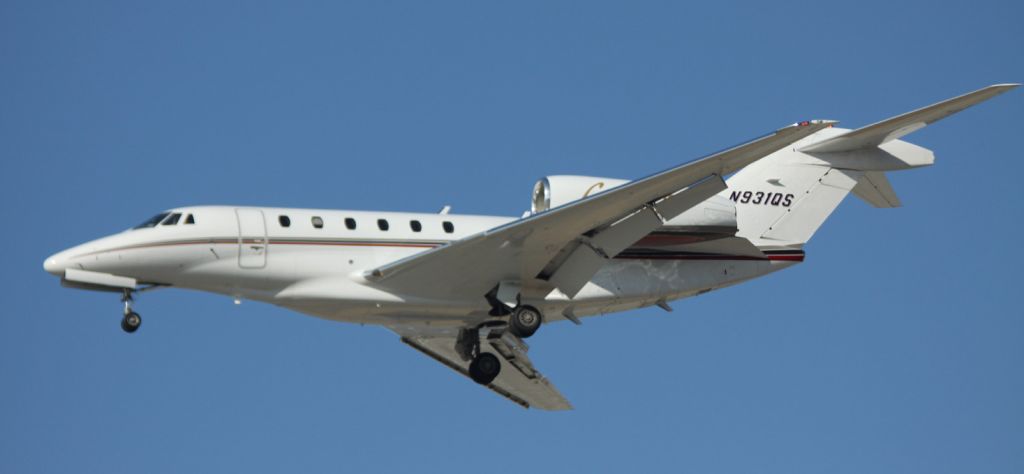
(554, 191)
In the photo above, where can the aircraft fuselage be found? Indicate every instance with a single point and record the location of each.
(313, 261)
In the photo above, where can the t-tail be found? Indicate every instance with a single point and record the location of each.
(782, 199)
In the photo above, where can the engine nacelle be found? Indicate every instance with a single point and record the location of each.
(554, 191)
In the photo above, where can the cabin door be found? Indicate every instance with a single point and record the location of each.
(252, 238)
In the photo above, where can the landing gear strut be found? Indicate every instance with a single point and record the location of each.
(131, 320)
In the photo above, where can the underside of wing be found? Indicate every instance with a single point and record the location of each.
(518, 381)
(563, 247)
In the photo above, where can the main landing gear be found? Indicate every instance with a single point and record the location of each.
(484, 368)
(524, 321)
(506, 300)
(131, 320)
(504, 337)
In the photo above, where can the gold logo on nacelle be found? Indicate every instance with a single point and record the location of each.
(598, 186)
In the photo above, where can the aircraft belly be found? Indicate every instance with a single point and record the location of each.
(628, 284)
(325, 283)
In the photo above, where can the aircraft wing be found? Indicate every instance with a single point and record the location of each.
(900, 125)
(518, 380)
(565, 246)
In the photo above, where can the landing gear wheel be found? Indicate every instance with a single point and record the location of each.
(131, 322)
(484, 368)
(525, 321)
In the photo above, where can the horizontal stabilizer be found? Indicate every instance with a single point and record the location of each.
(900, 125)
(875, 189)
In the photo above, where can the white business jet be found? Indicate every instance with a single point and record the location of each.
(466, 290)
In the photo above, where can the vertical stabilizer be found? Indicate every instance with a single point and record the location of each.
(810, 210)
(784, 198)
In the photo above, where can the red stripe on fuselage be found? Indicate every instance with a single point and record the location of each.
(627, 255)
(787, 258)
(772, 258)
(357, 244)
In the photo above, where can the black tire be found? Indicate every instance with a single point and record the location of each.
(525, 321)
(131, 322)
(484, 368)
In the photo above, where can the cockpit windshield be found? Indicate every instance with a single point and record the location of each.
(172, 220)
(153, 221)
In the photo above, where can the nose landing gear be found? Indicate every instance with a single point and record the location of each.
(131, 320)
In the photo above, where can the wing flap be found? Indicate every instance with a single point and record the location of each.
(518, 381)
(594, 252)
(572, 275)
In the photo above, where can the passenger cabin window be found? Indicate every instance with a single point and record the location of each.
(285, 221)
(172, 219)
(189, 219)
(153, 221)
(416, 226)
(318, 222)
(448, 227)
(382, 224)
(350, 223)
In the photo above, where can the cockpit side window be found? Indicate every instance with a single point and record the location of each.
(153, 221)
(190, 219)
(172, 219)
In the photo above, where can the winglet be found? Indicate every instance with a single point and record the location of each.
(900, 125)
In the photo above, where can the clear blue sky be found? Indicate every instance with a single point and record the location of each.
(897, 347)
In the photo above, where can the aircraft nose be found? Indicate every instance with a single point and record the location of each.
(55, 264)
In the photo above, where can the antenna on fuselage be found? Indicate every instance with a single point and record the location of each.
(444, 210)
